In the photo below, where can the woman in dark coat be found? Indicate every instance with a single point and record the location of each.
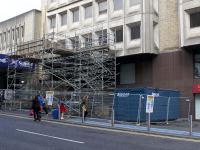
(36, 109)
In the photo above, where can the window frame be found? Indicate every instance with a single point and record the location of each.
(89, 5)
(117, 8)
(120, 28)
(192, 18)
(75, 12)
(126, 70)
(62, 22)
(52, 20)
(133, 36)
(105, 10)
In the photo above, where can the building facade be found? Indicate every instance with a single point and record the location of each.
(20, 29)
(151, 37)
(189, 11)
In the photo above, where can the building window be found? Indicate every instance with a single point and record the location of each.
(88, 40)
(75, 13)
(102, 7)
(197, 65)
(117, 4)
(22, 31)
(52, 1)
(88, 11)
(195, 20)
(119, 35)
(13, 34)
(75, 42)
(17, 33)
(102, 37)
(127, 73)
(52, 20)
(63, 18)
(135, 31)
(134, 2)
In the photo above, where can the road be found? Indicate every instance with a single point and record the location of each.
(25, 134)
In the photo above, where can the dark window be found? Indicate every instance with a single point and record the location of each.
(195, 20)
(88, 40)
(135, 31)
(102, 37)
(127, 73)
(75, 42)
(197, 65)
(119, 35)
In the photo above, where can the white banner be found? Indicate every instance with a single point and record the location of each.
(49, 97)
(149, 104)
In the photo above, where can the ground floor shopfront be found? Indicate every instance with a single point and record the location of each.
(175, 70)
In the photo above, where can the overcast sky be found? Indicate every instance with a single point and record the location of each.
(11, 8)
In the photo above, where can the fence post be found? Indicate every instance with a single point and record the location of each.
(20, 105)
(149, 122)
(59, 111)
(83, 118)
(139, 110)
(167, 117)
(5, 104)
(188, 100)
(191, 125)
(113, 118)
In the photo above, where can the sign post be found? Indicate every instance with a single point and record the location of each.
(49, 97)
(149, 109)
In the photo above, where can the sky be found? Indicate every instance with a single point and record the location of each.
(12, 8)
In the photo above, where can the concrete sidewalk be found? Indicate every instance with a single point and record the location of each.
(107, 124)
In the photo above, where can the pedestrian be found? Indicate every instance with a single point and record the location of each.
(36, 109)
(63, 110)
(45, 105)
(84, 106)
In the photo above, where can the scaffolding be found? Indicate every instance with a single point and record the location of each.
(82, 63)
(79, 65)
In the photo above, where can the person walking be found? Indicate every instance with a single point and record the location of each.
(36, 109)
(84, 106)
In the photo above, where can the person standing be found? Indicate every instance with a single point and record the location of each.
(63, 110)
(36, 109)
(84, 106)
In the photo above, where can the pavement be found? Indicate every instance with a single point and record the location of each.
(22, 133)
(155, 129)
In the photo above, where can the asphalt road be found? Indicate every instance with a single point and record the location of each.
(25, 134)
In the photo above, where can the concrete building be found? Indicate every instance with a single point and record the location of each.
(14, 32)
(19, 29)
(150, 38)
(189, 11)
(134, 25)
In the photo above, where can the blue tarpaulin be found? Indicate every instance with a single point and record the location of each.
(6, 61)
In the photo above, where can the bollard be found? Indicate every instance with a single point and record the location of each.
(113, 118)
(190, 125)
(149, 122)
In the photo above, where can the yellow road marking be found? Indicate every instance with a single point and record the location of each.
(112, 130)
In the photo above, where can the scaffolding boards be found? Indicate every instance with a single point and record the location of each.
(64, 63)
